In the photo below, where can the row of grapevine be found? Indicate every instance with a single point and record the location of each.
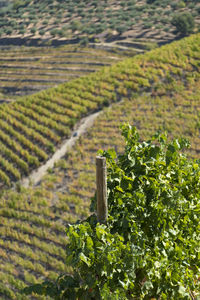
(38, 123)
(33, 220)
(148, 113)
(33, 124)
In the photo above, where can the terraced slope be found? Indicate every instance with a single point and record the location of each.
(138, 25)
(32, 128)
(26, 70)
(105, 19)
(32, 231)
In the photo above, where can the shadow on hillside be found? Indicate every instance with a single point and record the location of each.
(35, 42)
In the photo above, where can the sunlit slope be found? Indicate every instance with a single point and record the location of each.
(32, 128)
(27, 70)
(32, 231)
(104, 20)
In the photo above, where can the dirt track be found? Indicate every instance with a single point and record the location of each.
(36, 176)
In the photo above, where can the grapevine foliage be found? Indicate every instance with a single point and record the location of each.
(149, 247)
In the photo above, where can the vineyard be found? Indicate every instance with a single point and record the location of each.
(62, 40)
(158, 90)
(34, 126)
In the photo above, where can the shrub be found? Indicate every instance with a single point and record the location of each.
(184, 23)
(32, 16)
(42, 32)
(150, 1)
(88, 30)
(61, 33)
(17, 4)
(198, 10)
(121, 28)
(22, 31)
(84, 41)
(191, 5)
(75, 25)
(174, 5)
(54, 32)
(33, 30)
(147, 25)
(149, 246)
(8, 30)
(45, 22)
(99, 28)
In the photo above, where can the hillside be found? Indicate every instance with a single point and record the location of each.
(27, 70)
(89, 34)
(34, 126)
(105, 20)
(157, 90)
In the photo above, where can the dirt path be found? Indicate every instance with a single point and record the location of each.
(36, 176)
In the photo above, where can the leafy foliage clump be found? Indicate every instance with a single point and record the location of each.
(184, 23)
(149, 246)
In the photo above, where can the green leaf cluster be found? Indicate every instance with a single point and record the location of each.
(184, 23)
(149, 246)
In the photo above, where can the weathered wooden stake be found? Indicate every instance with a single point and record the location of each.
(101, 180)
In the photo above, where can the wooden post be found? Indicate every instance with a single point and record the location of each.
(101, 181)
